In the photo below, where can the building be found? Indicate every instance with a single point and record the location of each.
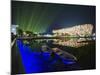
(78, 30)
(13, 29)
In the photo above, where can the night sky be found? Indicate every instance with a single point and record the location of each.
(44, 17)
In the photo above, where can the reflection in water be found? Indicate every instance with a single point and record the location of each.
(39, 56)
(76, 42)
(71, 42)
(58, 54)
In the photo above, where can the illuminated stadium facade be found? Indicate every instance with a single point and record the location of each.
(78, 30)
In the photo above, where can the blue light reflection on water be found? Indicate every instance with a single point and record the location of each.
(31, 60)
(35, 62)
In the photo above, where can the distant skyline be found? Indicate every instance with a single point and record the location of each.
(44, 17)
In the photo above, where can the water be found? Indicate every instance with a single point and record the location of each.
(50, 55)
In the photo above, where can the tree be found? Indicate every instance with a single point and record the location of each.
(20, 32)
